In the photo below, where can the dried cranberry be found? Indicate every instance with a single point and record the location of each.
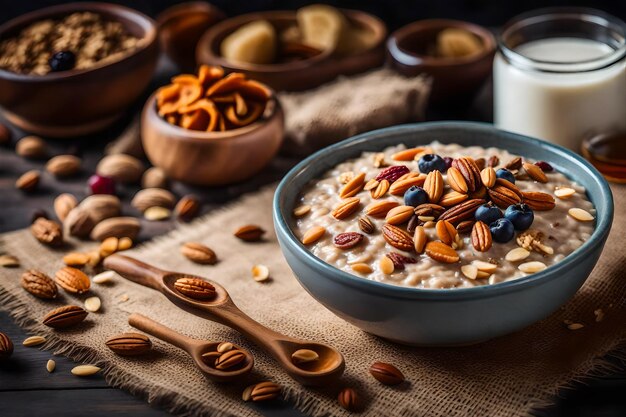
(392, 173)
(448, 161)
(99, 184)
(400, 260)
(347, 240)
(545, 167)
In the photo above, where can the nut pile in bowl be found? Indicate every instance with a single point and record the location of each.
(443, 216)
(212, 101)
(80, 40)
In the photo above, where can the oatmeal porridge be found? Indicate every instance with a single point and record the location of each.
(443, 216)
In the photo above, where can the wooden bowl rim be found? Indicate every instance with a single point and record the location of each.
(189, 135)
(410, 58)
(205, 44)
(147, 24)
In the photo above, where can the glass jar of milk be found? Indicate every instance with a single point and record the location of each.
(560, 75)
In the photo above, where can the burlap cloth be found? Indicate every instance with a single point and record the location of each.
(503, 377)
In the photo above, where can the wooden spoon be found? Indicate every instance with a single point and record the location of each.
(194, 347)
(221, 309)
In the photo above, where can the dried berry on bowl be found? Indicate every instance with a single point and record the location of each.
(212, 101)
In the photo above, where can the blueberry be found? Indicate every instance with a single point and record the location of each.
(431, 162)
(415, 196)
(505, 174)
(488, 213)
(520, 215)
(502, 230)
(62, 61)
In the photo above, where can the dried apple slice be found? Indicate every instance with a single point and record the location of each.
(232, 82)
(254, 90)
(255, 111)
(195, 120)
(228, 98)
(253, 43)
(167, 93)
(322, 26)
(241, 108)
(190, 89)
(209, 108)
(207, 75)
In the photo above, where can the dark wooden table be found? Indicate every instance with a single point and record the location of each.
(27, 389)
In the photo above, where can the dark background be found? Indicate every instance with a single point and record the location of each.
(395, 13)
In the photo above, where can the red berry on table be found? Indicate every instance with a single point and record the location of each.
(99, 184)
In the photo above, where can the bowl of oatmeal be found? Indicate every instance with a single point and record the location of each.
(73, 69)
(442, 233)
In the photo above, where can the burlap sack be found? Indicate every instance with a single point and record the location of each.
(503, 377)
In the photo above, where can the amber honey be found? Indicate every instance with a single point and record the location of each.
(608, 154)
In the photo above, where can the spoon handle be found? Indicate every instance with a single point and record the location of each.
(136, 271)
(160, 331)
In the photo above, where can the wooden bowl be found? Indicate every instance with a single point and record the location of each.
(453, 79)
(180, 28)
(78, 102)
(297, 75)
(211, 158)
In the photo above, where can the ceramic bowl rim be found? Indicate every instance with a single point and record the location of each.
(598, 237)
(148, 39)
(409, 58)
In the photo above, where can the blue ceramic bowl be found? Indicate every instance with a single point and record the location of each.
(442, 317)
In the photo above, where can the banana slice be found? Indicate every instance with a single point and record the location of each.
(254, 43)
(454, 43)
(322, 26)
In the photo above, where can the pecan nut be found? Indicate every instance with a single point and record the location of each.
(397, 238)
(63, 317)
(481, 237)
(380, 208)
(441, 252)
(539, 201)
(47, 232)
(434, 186)
(129, 344)
(195, 288)
(347, 240)
(468, 168)
(386, 373)
(503, 195)
(400, 260)
(535, 172)
(462, 211)
(39, 284)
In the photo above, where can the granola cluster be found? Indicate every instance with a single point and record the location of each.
(88, 36)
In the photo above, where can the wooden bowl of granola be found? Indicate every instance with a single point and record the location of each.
(75, 91)
(223, 133)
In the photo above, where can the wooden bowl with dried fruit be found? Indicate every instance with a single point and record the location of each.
(296, 50)
(457, 55)
(212, 129)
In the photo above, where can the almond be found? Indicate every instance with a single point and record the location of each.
(348, 399)
(230, 359)
(493, 161)
(353, 186)
(198, 253)
(157, 213)
(407, 154)
(6, 346)
(79, 222)
(63, 204)
(108, 246)
(34, 341)
(154, 177)
(63, 317)
(264, 391)
(386, 265)
(129, 344)
(371, 184)
(380, 208)
(39, 284)
(28, 181)
(386, 373)
(195, 288)
(47, 232)
(346, 208)
(580, 215)
(462, 211)
(467, 167)
(400, 260)
(187, 208)
(361, 268)
(31, 147)
(441, 252)
(399, 214)
(75, 259)
(313, 235)
(452, 198)
(456, 180)
(434, 186)
(366, 225)
(63, 165)
(446, 232)
(397, 237)
(481, 237)
(72, 280)
(85, 370)
(153, 197)
(532, 267)
(301, 210)
(250, 233)
(503, 196)
(538, 201)
(488, 177)
(564, 192)
(101, 207)
(517, 254)
(116, 227)
(419, 239)
(122, 168)
(304, 356)
(380, 189)
(535, 172)
(429, 209)
(401, 185)
(514, 164)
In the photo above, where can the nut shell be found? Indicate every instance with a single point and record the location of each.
(6, 346)
(39, 284)
(250, 233)
(63, 317)
(386, 373)
(121, 167)
(129, 344)
(47, 232)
